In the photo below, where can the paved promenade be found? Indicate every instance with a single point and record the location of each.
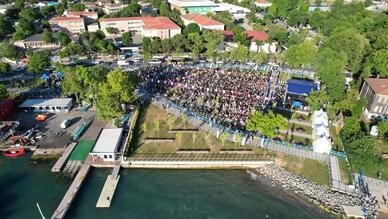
(62, 160)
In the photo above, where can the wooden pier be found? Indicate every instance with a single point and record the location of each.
(109, 188)
(64, 206)
(62, 160)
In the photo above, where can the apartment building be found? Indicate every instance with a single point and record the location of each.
(145, 26)
(375, 92)
(69, 24)
(202, 21)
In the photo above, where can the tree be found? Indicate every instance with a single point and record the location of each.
(242, 38)
(147, 45)
(352, 43)
(213, 39)
(191, 28)
(38, 61)
(5, 26)
(278, 33)
(77, 7)
(63, 38)
(268, 124)
(46, 36)
(259, 57)
(378, 63)
(117, 90)
(166, 45)
(383, 130)
(164, 9)
(317, 100)
(196, 44)
(60, 8)
(156, 45)
(301, 55)
(351, 130)
(330, 66)
(3, 92)
(363, 154)
(132, 10)
(179, 43)
(126, 38)
(223, 137)
(240, 53)
(19, 4)
(110, 30)
(5, 67)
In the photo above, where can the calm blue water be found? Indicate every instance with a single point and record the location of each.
(146, 194)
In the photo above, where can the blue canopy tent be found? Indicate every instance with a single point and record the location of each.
(44, 77)
(300, 87)
(297, 104)
(59, 74)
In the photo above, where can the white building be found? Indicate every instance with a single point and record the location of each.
(202, 21)
(55, 105)
(113, 8)
(236, 11)
(263, 3)
(107, 144)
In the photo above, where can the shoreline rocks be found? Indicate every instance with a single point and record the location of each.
(322, 196)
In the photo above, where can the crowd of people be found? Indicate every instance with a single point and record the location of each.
(225, 96)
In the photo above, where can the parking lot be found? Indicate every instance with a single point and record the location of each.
(49, 134)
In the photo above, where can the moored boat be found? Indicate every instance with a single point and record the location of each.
(15, 152)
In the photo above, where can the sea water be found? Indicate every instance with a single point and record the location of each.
(147, 194)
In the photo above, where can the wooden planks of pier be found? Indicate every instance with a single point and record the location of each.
(62, 160)
(109, 188)
(64, 206)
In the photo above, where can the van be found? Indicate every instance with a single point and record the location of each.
(65, 123)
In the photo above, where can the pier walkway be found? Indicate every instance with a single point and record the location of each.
(62, 160)
(109, 188)
(64, 206)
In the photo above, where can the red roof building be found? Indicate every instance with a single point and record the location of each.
(257, 35)
(202, 21)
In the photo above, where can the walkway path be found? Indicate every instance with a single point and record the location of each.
(64, 206)
(62, 160)
(300, 122)
(109, 188)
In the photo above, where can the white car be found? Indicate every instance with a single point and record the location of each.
(65, 123)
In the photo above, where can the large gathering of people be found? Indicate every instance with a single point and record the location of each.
(225, 96)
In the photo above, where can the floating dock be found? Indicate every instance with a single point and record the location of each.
(64, 206)
(62, 160)
(109, 188)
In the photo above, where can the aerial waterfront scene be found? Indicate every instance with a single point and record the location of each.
(193, 109)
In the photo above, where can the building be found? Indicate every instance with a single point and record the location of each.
(192, 6)
(262, 3)
(55, 105)
(104, 2)
(113, 8)
(261, 37)
(107, 144)
(70, 24)
(375, 92)
(3, 8)
(7, 109)
(90, 6)
(93, 27)
(36, 42)
(202, 21)
(145, 26)
(236, 11)
(90, 17)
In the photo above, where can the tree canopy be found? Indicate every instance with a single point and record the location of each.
(266, 124)
(38, 61)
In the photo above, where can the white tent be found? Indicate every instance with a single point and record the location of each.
(321, 134)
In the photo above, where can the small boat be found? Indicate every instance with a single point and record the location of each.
(16, 152)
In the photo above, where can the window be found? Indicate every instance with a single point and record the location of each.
(105, 157)
(47, 108)
(110, 156)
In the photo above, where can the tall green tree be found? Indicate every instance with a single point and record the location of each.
(126, 38)
(301, 55)
(77, 7)
(268, 124)
(179, 42)
(3, 92)
(156, 45)
(8, 50)
(196, 44)
(5, 67)
(192, 28)
(212, 40)
(240, 53)
(63, 38)
(46, 36)
(38, 61)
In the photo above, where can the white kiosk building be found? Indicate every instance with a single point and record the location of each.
(54, 105)
(107, 144)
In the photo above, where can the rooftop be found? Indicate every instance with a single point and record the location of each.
(81, 13)
(192, 3)
(256, 35)
(108, 141)
(201, 20)
(60, 102)
(378, 85)
(66, 19)
(149, 22)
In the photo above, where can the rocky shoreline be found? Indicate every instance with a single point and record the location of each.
(331, 201)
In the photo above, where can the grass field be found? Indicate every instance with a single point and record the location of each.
(82, 150)
(345, 175)
(310, 169)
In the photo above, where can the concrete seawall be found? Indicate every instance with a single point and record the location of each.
(195, 164)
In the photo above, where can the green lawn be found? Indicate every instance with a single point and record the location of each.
(310, 169)
(345, 175)
(82, 150)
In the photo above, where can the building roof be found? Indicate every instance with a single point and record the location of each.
(300, 87)
(229, 7)
(57, 102)
(149, 22)
(192, 3)
(201, 20)
(81, 13)
(66, 19)
(256, 35)
(378, 85)
(108, 141)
